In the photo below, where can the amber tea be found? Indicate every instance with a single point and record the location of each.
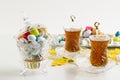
(72, 36)
(98, 56)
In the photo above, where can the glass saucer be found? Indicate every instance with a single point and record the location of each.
(63, 53)
(84, 65)
(82, 61)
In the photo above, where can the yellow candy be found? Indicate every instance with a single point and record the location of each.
(117, 51)
(61, 61)
(34, 31)
(113, 54)
(52, 51)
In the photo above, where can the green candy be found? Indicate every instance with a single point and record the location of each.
(34, 31)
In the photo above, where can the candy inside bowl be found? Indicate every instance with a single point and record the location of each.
(32, 44)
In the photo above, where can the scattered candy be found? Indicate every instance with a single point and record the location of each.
(116, 39)
(88, 28)
(114, 54)
(61, 61)
(117, 34)
(87, 33)
(61, 39)
(52, 51)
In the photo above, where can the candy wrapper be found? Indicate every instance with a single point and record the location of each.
(32, 42)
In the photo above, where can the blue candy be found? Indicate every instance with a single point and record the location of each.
(61, 39)
(117, 34)
(37, 37)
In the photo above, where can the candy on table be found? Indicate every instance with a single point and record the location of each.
(87, 32)
(52, 51)
(61, 61)
(61, 39)
(117, 34)
(88, 28)
(114, 54)
(116, 39)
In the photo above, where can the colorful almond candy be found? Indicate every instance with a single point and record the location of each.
(25, 35)
(34, 31)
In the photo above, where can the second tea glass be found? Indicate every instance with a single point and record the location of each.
(98, 56)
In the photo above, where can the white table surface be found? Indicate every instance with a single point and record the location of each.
(10, 67)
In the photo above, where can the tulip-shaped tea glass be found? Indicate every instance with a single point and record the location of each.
(98, 56)
(72, 36)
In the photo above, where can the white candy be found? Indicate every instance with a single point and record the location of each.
(87, 33)
(41, 39)
(23, 41)
(31, 38)
(118, 57)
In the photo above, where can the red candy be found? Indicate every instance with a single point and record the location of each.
(88, 28)
(25, 35)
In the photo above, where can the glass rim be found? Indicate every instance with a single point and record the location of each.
(99, 37)
(72, 28)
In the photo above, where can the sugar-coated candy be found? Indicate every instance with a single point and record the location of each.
(87, 33)
(88, 28)
(61, 39)
(34, 31)
(41, 39)
(25, 35)
(52, 51)
(37, 37)
(23, 41)
(31, 37)
(117, 34)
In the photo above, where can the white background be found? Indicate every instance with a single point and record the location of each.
(55, 15)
